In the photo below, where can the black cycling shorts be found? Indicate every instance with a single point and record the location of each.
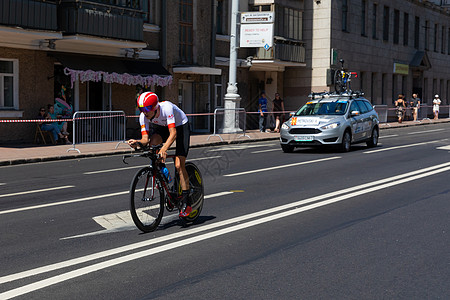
(182, 140)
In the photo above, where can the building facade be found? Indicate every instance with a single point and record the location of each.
(396, 47)
(100, 54)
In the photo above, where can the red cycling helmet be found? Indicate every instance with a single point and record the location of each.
(148, 101)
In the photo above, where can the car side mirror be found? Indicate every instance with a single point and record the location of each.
(291, 113)
(354, 113)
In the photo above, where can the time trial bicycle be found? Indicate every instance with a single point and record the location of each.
(342, 79)
(151, 192)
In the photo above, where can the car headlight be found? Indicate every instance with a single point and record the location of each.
(284, 126)
(331, 126)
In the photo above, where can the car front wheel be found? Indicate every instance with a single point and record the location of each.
(346, 142)
(373, 141)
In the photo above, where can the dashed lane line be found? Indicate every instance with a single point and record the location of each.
(403, 146)
(37, 191)
(283, 166)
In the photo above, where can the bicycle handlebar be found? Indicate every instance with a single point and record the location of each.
(144, 151)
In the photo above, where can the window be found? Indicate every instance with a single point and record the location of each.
(221, 14)
(9, 84)
(396, 26)
(443, 40)
(416, 32)
(426, 35)
(448, 42)
(344, 15)
(363, 17)
(152, 9)
(435, 44)
(405, 29)
(288, 22)
(374, 21)
(186, 32)
(386, 23)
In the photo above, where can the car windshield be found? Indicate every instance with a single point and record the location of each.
(323, 108)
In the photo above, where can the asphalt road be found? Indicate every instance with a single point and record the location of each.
(313, 224)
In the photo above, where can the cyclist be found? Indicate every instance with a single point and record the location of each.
(170, 124)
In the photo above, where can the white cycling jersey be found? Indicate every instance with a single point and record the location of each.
(169, 115)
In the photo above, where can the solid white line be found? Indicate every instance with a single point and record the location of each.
(403, 146)
(388, 136)
(425, 131)
(112, 262)
(130, 225)
(269, 150)
(37, 191)
(80, 200)
(1, 183)
(283, 166)
(62, 202)
(154, 241)
(135, 167)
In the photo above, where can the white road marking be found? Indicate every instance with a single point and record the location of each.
(122, 221)
(403, 146)
(1, 183)
(388, 136)
(135, 167)
(241, 147)
(444, 148)
(357, 191)
(37, 191)
(425, 131)
(268, 150)
(282, 166)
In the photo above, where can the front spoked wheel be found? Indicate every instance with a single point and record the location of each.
(146, 200)
(196, 191)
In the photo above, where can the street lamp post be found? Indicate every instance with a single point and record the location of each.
(232, 98)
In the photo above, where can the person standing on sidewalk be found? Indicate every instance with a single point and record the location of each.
(278, 108)
(401, 107)
(262, 109)
(415, 105)
(436, 103)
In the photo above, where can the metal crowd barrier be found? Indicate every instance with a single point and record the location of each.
(98, 127)
(229, 120)
(382, 111)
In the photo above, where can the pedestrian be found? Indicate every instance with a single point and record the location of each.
(278, 109)
(51, 126)
(436, 103)
(401, 107)
(415, 105)
(262, 109)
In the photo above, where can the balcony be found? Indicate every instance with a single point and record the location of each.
(292, 52)
(30, 14)
(99, 19)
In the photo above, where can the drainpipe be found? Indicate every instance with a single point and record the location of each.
(212, 80)
(163, 52)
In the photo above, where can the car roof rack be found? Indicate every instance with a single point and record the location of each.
(324, 95)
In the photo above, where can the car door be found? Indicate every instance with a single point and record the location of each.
(365, 118)
(356, 122)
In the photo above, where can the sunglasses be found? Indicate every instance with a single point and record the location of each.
(42, 110)
(145, 109)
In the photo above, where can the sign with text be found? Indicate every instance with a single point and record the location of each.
(257, 17)
(256, 35)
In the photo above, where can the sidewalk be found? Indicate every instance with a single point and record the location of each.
(21, 154)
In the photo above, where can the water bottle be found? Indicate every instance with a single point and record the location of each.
(166, 173)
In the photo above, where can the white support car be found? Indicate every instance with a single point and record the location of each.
(331, 119)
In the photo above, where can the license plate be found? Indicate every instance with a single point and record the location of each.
(304, 138)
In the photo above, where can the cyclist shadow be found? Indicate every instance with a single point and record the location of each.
(181, 223)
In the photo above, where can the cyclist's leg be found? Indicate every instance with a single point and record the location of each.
(182, 150)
